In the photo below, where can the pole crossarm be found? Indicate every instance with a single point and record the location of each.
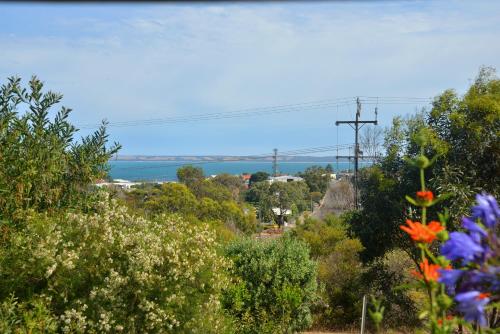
(356, 125)
(354, 122)
(352, 156)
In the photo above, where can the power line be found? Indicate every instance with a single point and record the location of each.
(264, 111)
(232, 114)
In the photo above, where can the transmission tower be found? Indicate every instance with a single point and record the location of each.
(356, 125)
(275, 162)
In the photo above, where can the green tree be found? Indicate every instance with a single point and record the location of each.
(173, 198)
(275, 286)
(190, 175)
(470, 127)
(258, 177)
(232, 183)
(317, 178)
(42, 167)
(340, 269)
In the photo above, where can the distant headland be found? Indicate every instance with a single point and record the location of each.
(224, 158)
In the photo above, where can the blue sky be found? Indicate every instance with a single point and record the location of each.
(125, 62)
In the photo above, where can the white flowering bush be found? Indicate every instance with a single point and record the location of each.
(113, 272)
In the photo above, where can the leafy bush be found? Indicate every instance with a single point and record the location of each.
(112, 272)
(340, 269)
(42, 167)
(27, 317)
(178, 198)
(388, 277)
(275, 286)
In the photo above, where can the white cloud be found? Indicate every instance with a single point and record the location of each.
(160, 61)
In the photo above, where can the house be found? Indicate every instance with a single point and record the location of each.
(246, 179)
(117, 183)
(284, 178)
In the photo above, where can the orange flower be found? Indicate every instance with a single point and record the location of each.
(448, 317)
(422, 233)
(483, 295)
(425, 196)
(429, 270)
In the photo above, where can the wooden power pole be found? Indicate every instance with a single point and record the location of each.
(356, 125)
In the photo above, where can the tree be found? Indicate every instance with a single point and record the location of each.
(173, 198)
(190, 175)
(329, 168)
(470, 127)
(42, 167)
(276, 199)
(317, 178)
(275, 286)
(340, 269)
(283, 196)
(232, 182)
(258, 177)
(371, 140)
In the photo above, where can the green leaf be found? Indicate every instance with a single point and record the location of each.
(411, 200)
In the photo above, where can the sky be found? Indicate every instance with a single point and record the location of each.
(133, 62)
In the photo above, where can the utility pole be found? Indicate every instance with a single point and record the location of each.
(357, 152)
(275, 162)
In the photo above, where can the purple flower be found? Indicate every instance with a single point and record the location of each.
(449, 277)
(486, 209)
(476, 231)
(488, 278)
(461, 246)
(471, 304)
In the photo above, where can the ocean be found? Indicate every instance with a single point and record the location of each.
(166, 170)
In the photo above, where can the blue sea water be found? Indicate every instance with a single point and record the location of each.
(166, 170)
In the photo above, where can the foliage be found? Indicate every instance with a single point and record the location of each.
(275, 286)
(178, 198)
(475, 284)
(280, 196)
(190, 175)
(42, 167)
(258, 177)
(173, 198)
(26, 317)
(231, 182)
(113, 272)
(317, 178)
(381, 214)
(340, 269)
(388, 277)
(470, 127)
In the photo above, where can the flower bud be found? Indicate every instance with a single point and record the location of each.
(443, 235)
(422, 162)
(421, 138)
(377, 317)
(444, 301)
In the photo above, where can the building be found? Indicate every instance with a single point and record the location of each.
(284, 178)
(246, 179)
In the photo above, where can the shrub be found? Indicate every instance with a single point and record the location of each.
(112, 272)
(42, 167)
(340, 269)
(275, 286)
(27, 317)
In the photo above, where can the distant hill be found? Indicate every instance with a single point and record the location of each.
(222, 158)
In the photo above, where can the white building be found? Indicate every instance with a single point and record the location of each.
(284, 178)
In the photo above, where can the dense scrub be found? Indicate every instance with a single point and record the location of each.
(110, 271)
(274, 286)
